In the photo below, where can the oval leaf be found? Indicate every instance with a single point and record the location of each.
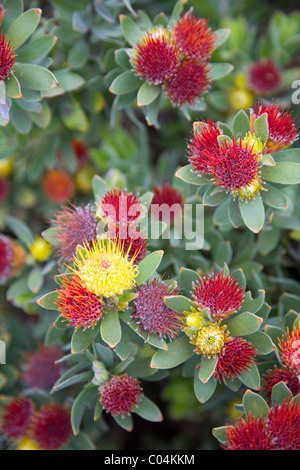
(24, 26)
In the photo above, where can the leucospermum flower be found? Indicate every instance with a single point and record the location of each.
(237, 356)
(280, 374)
(264, 77)
(120, 395)
(279, 430)
(12, 258)
(289, 348)
(16, 418)
(58, 186)
(155, 57)
(221, 294)
(74, 226)
(150, 312)
(41, 369)
(282, 129)
(166, 196)
(51, 427)
(105, 269)
(210, 340)
(234, 164)
(7, 57)
(77, 305)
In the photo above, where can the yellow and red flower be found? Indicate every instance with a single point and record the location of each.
(120, 395)
(58, 186)
(12, 258)
(289, 349)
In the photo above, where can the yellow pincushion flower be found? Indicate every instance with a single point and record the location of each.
(210, 340)
(104, 268)
(254, 143)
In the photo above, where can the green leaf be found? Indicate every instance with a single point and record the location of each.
(13, 9)
(178, 352)
(255, 404)
(24, 26)
(207, 368)
(204, 391)
(176, 13)
(187, 174)
(37, 48)
(82, 401)
(148, 410)
(110, 328)
(282, 173)
(214, 196)
(124, 421)
(73, 116)
(243, 324)
(82, 339)
(261, 128)
(75, 379)
(178, 303)
(21, 230)
(187, 277)
(147, 94)
(251, 378)
(34, 77)
(125, 83)
(218, 71)
(13, 89)
(241, 124)
(221, 36)
(253, 305)
(280, 392)
(100, 187)
(35, 279)
(148, 266)
(253, 213)
(273, 197)
(262, 342)
(132, 32)
(69, 81)
(220, 434)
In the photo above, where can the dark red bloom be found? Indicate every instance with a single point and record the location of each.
(189, 81)
(51, 428)
(289, 347)
(237, 357)
(79, 306)
(264, 77)
(155, 57)
(120, 395)
(194, 37)
(169, 197)
(4, 188)
(280, 374)
(206, 142)
(282, 129)
(280, 430)
(221, 294)
(58, 186)
(7, 57)
(16, 418)
(41, 370)
(81, 152)
(120, 207)
(74, 226)
(150, 312)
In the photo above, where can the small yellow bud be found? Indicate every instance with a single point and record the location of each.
(194, 321)
(6, 166)
(240, 99)
(27, 444)
(40, 249)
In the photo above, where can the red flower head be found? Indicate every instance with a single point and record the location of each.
(7, 56)
(41, 370)
(134, 242)
(150, 312)
(16, 418)
(193, 37)
(51, 428)
(155, 56)
(81, 152)
(120, 395)
(280, 430)
(221, 294)
(119, 207)
(204, 141)
(74, 226)
(189, 81)
(78, 305)
(4, 188)
(12, 258)
(280, 374)
(237, 356)
(264, 77)
(169, 197)
(58, 186)
(282, 129)
(290, 350)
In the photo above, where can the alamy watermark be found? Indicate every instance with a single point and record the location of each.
(176, 221)
(296, 94)
(2, 352)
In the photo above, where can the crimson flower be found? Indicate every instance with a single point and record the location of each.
(280, 430)
(120, 395)
(7, 56)
(166, 196)
(51, 428)
(280, 374)
(41, 369)
(282, 129)
(289, 348)
(221, 294)
(237, 357)
(58, 186)
(81, 152)
(150, 312)
(264, 77)
(16, 418)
